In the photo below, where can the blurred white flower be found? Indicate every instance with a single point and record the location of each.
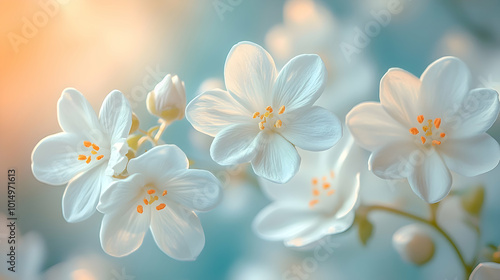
(486, 271)
(300, 214)
(87, 153)
(88, 266)
(414, 244)
(168, 99)
(161, 194)
(425, 127)
(30, 255)
(264, 115)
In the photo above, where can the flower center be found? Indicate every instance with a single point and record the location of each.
(430, 131)
(269, 116)
(152, 199)
(320, 188)
(94, 149)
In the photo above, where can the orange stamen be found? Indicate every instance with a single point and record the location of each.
(82, 157)
(437, 123)
(315, 192)
(414, 130)
(314, 181)
(161, 206)
(269, 109)
(324, 178)
(313, 202)
(420, 119)
(151, 191)
(100, 157)
(326, 185)
(436, 142)
(146, 201)
(442, 135)
(261, 125)
(278, 124)
(95, 147)
(93, 152)
(256, 114)
(261, 117)
(87, 143)
(282, 110)
(423, 139)
(139, 209)
(332, 174)
(88, 159)
(164, 193)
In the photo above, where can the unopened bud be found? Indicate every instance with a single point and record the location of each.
(413, 244)
(168, 99)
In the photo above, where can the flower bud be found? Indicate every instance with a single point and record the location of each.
(413, 244)
(135, 123)
(168, 99)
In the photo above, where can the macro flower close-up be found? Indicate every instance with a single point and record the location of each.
(264, 114)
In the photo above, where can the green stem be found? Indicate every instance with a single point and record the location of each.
(432, 223)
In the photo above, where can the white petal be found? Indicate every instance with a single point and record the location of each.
(444, 83)
(431, 179)
(324, 227)
(123, 230)
(471, 156)
(115, 115)
(277, 160)
(235, 144)
(314, 130)
(159, 161)
(394, 161)
(81, 196)
(75, 115)
(121, 192)
(249, 74)
(55, 158)
(195, 189)
(300, 82)
(117, 158)
(372, 127)
(486, 271)
(178, 232)
(477, 114)
(280, 221)
(348, 192)
(213, 110)
(399, 92)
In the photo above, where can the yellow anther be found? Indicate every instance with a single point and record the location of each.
(164, 193)
(100, 157)
(151, 191)
(139, 209)
(271, 115)
(326, 185)
(161, 206)
(88, 159)
(437, 123)
(313, 202)
(442, 135)
(82, 157)
(256, 114)
(428, 133)
(420, 119)
(261, 125)
(266, 114)
(261, 117)
(314, 181)
(93, 152)
(155, 198)
(282, 110)
(269, 109)
(436, 142)
(278, 124)
(425, 128)
(423, 139)
(95, 147)
(414, 130)
(315, 192)
(87, 143)
(331, 192)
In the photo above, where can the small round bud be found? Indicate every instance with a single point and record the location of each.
(168, 99)
(413, 244)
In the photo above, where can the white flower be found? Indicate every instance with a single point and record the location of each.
(87, 153)
(168, 99)
(160, 194)
(317, 202)
(413, 244)
(486, 271)
(425, 127)
(264, 115)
